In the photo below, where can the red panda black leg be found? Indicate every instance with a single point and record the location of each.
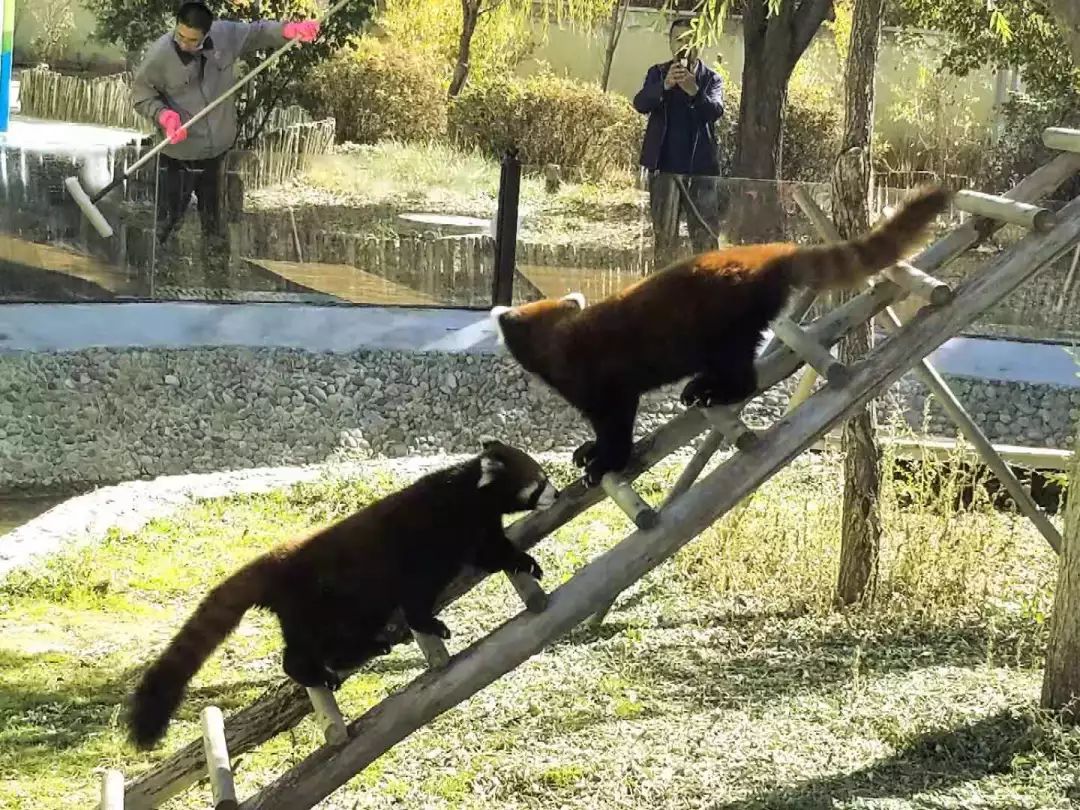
(418, 617)
(614, 427)
(584, 454)
(306, 667)
(499, 554)
(727, 386)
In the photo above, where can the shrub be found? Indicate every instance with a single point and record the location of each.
(377, 89)
(550, 120)
(813, 129)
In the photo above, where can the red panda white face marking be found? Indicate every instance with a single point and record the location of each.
(495, 314)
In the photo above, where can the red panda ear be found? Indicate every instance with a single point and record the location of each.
(577, 298)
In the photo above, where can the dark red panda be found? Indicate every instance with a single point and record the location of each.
(700, 317)
(335, 590)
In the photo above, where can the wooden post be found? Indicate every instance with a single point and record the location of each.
(432, 693)
(217, 759)
(624, 496)
(433, 649)
(328, 715)
(112, 790)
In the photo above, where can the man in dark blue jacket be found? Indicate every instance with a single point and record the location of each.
(682, 98)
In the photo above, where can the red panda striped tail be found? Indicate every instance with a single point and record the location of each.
(165, 680)
(845, 264)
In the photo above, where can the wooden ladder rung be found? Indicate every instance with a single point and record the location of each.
(813, 353)
(328, 715)
(218, 767)
(1062, 138)
(627, 499)
(734, 429)
(112, 790)
(918, 283)
(532, 594)
(1003, 209)
(433, 648)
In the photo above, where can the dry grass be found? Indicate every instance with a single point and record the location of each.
(723, 679)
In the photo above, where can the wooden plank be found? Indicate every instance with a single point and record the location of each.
(346, 282)
(622, 492)
(58, 260)
(283, 705)
(432, 693)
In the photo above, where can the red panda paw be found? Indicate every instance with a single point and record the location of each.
(584, 454)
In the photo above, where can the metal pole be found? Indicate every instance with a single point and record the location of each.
(502, 285)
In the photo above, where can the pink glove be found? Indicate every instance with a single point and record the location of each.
(305, 31)
(170, 122)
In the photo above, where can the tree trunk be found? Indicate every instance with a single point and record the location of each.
(1061, 678)
(861, 523)
(1067, 14)
(772, 46)
(618, 19)
(470, 13)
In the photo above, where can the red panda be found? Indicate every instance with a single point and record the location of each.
(700, 317)
(335, 590)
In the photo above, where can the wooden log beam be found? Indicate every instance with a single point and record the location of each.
(285, 703)
(1062, 138)
(1003, 209)
(320, 773)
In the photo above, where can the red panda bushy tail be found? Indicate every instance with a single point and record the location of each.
(165, 680)
(845, 264)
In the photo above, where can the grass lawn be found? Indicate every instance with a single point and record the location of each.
(721, 680)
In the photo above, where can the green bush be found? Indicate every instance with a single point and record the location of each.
(813, 129)
(377, 89)
(550, 120)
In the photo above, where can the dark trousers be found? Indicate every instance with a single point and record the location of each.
(177, 181)
(667, 205)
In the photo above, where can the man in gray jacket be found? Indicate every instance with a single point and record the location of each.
(183, 71)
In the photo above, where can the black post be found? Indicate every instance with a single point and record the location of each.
(502, 285)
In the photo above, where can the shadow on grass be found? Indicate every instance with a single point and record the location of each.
(935, 761)
(765, 656)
